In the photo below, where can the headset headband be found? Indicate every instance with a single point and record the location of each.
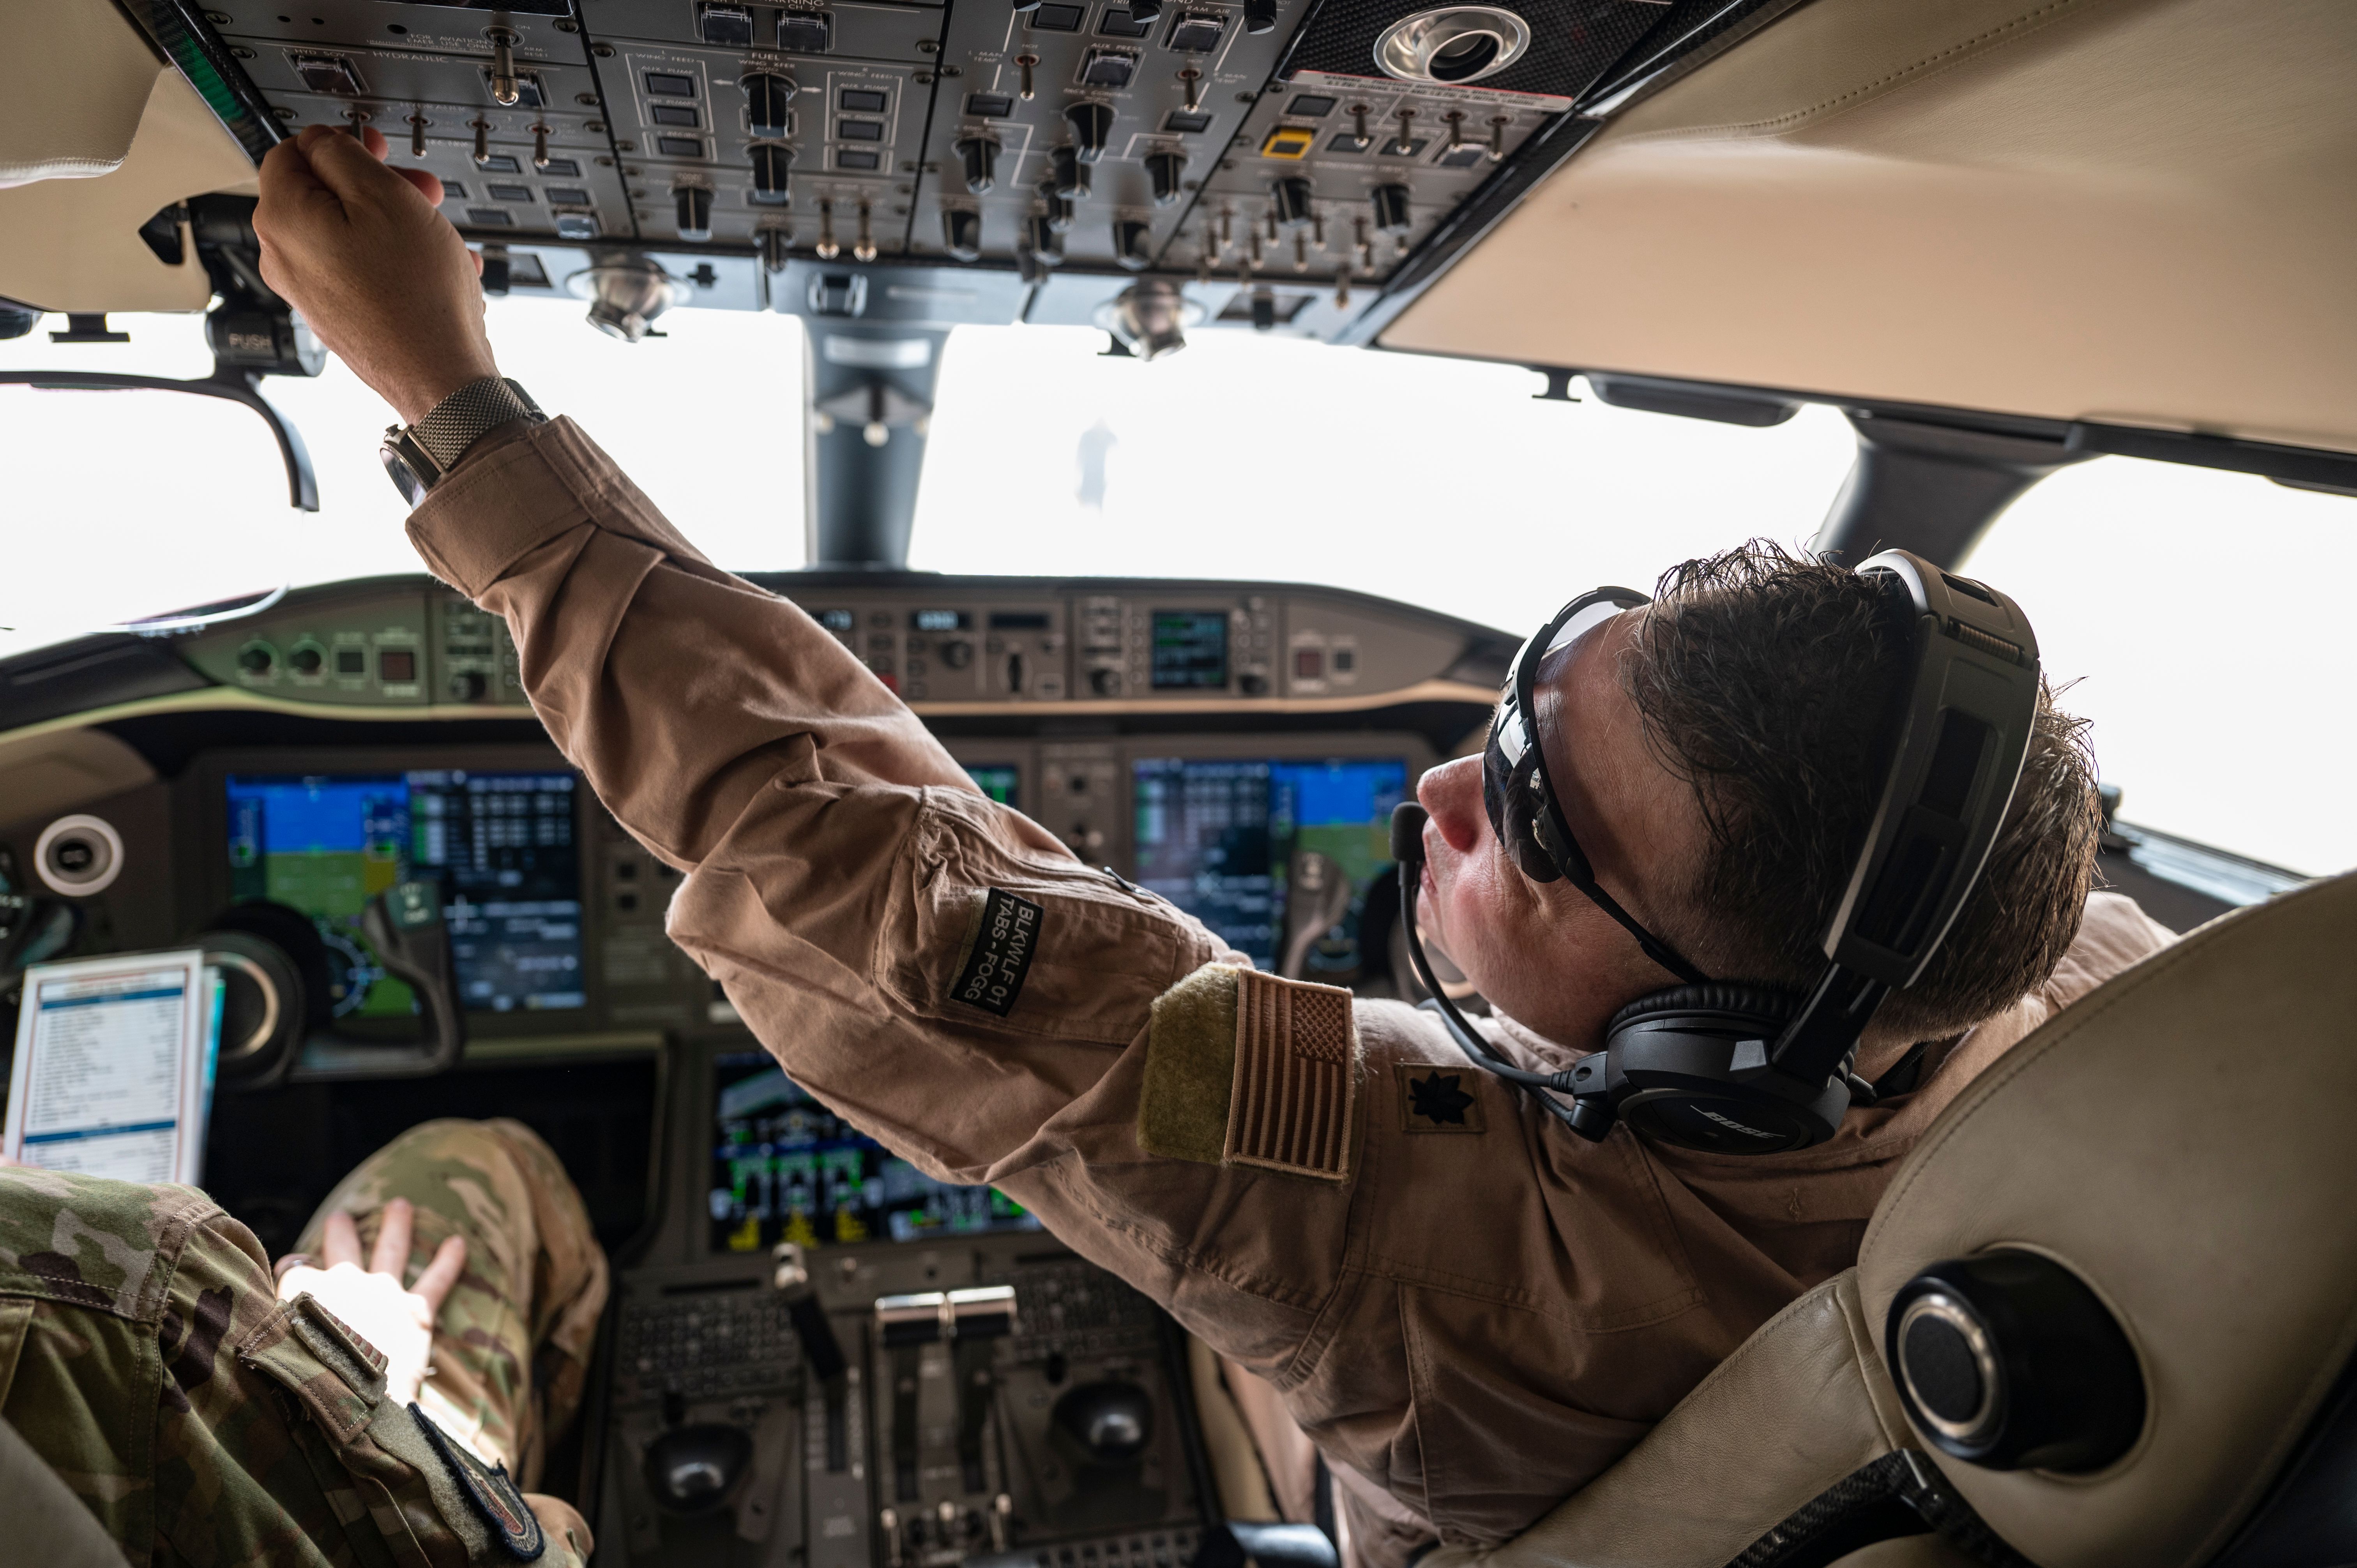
(1966, 734)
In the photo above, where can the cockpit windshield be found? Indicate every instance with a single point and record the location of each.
(1446, 484)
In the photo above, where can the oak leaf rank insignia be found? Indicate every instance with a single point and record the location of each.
(1435, 1100)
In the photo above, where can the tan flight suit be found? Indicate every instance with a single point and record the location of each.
(1469, 1311)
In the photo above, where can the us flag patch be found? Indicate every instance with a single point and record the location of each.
(1296, 1082)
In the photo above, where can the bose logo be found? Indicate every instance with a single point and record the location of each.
(1730, 1121)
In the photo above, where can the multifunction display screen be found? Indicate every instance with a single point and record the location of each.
(501, 845)
(999, 781)
(785, 1168)
(1218, 839)
(1190, 650)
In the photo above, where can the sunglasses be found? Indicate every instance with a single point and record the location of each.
(1524, 813)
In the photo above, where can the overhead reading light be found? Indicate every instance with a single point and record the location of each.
(1150, 318)
(1452, 45)
(626, 294)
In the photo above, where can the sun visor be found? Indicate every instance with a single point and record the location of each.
(74, 83)
(74, 244)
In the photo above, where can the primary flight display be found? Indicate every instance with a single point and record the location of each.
(500, 844)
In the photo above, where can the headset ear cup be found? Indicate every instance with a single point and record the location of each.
(1679, 1073)
(1752, 1004)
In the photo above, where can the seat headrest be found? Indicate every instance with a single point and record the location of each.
(2184, 1140)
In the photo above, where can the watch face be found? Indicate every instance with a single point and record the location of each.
(405, 478)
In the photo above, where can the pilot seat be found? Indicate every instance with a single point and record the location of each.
(2103, 1319)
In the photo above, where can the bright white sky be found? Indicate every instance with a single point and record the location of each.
(1438, 482)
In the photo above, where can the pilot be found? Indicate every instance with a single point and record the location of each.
(1469, 1312)
(390, 1397)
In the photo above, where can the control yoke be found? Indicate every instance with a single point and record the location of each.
(405, 924)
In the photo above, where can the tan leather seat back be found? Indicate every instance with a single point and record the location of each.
(1800, 1404)
(2185, 1139)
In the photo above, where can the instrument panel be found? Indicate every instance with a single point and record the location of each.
(1197, 737)
(814, 1354)
(948, 645)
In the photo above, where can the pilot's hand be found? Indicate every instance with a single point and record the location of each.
(399, 1322)
(359, 250)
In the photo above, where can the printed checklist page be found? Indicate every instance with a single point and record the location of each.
(111, 1072)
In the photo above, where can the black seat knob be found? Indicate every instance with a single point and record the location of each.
(2008, 1362)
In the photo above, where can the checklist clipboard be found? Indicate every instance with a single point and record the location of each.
(113, 1067)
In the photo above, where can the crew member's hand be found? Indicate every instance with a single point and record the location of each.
(359, 249)
(399, 1322)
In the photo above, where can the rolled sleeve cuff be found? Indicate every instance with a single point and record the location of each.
(525, 484)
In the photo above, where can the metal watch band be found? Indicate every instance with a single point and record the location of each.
(469, 414)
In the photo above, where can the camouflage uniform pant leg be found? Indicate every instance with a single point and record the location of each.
(511, 1345)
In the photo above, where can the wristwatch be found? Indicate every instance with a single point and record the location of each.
(418, 457)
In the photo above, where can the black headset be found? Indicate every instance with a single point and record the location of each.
(1731, 1068)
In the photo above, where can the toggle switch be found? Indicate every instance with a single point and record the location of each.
(506, 88)
(961, 234)
(775, 244)
(482, 129)
(1165, 170)
(1060, 208)
(1091, 124)
(1288, 201)
(417, 123)
(1042, 242)
(1132, 244)
(694, 212)
(1066, 177)
(767, 95)
(770, 162)
(1391, 209)
(979, 154)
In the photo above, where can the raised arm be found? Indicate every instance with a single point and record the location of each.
(681, 691)
(934, 965)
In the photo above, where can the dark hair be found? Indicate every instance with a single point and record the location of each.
(1768, 680)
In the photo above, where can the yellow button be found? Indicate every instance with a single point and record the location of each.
(1288, 141)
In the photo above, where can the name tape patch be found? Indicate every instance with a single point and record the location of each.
(488, 1491)
(1002, 950)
